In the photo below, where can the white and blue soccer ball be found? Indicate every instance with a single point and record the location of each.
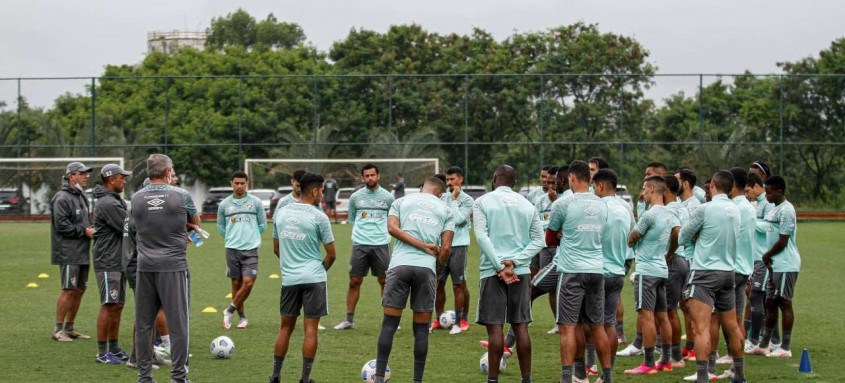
(484, 364)
(368, 372)
(222, 347)
(447, 319)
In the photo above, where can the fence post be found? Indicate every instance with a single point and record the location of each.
(541, 124)
(466, 125)
(701, 115)
(315, 117)
(167, 117)
(240, 126)
(780, 112)
(93, 116)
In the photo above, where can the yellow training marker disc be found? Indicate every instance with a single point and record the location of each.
(43, 276)
(209, 309)
(229, 295)
(32, 285)
(274, 276)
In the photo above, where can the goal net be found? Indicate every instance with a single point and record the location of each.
(272, 173)
(28, 184)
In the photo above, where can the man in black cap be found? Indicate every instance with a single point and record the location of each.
(108, 238)
(70, 240)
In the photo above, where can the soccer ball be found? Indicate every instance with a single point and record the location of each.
(484, 364)
(222, 347)
(447, 319)
(368, 372)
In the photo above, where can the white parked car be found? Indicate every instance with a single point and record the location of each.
(265, 195)
(342, 199)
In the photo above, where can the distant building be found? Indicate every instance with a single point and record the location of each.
(172, 41)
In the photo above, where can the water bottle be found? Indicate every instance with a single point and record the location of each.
(203, 233)
(195, 238)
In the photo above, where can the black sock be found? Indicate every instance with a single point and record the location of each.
(459, 316)
(58, 327)
(578, 368)
(612, 359)
(620, 330)
(638, 341)
(231, 309)
(510, 339)
(739, 370)
(746, 324)
(420, 349)
(758, 315)
(607, 374)
(689, 345)
(307, 365)
(277, 365)
(385, 342)
(649, 356)
(114, 348)
(776, 333)
(676, 353)
(350, 317)
(787, 338)
(701, 371)
(241, 313)
(68, 326)
(566, 374)
(101, 347)
(525, 379)
(667, 352)
(766, 337)
(711, 364)
(591, 355)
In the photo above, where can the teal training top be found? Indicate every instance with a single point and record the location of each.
(286, 200)
(533, 194)
(507, 227)
(581, 218)
(461, 214)
(745, 241)
(241, 221)
(301, 229)
(544, 208)
(614, 239)
(655, 227)
(424, 217)
(691, 204)
(782, 221)
(717, 225)
(368, 214)
(761, 240)
(682, 215)
(700, 194)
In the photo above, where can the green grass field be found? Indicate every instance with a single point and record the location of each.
(27, 317)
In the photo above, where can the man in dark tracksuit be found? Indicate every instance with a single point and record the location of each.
(160, 213)
(70, 240)
(110, 212)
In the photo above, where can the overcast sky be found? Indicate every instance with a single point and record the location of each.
(54, 38)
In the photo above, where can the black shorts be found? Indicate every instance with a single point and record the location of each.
(456, 267)
(677, 282)
(740, 283)
(782, 285)
(760, 277)
(112, 287)
(74, 276)
(543, 258)
(330, 205)
(500, 303)
(546, 279)
(418, 283)
(612, 292)
(650, 293)
(241, 263)
(580, 299)
(714, 288)
(376, 259)
(311, 298)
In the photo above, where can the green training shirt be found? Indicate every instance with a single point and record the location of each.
(286, 200)
(241, 221)
(782, 221)
(682, 215)
(761, 240)
(745, 240)
(655, 227)
(581, 218)
(614, 236)
(301, 229)
(368, 211)
(461, 213)
(717, 225)
(544, 208)
(425, 217)
(507, 227)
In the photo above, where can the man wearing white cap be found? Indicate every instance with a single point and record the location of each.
(108, 239)
(70, 240)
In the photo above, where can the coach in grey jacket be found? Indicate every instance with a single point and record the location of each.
(70, 237)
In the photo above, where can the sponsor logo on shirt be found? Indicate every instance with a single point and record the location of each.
(424, 219)
(292, 221)
(508, 201)
(588, 228)
(292, 235)
(426, 205)
(591, 211)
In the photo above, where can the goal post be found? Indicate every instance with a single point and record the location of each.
(272, 173)
(28, 184)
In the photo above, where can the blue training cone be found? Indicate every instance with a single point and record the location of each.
(805, 367)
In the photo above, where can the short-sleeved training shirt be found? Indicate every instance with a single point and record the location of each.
(461, 214)
(301, 229)
(614, 237)
(368, 214)
(160, 213)
(581, 217)
(655, 228)
(425, 217)
(782, 221)
(717, 225)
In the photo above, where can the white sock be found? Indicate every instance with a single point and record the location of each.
(165, 341)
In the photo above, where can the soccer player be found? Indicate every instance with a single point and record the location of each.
(460, 204)
(756, 194)
(533, 194)
(678, 266)
(543, 204)
(509, 233)
(580, 220)
(614, 245)
(302, 228)
(108, 240)
(330, 188)
(70, 239)
(652, 169)
(785, 262)
(655, 236)
(286, 200)
(368, 210)
(596, 164)
(423, 227)
(761, 169)
(399, 186)
(711, 284)
(240, 221)
(161, 213)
